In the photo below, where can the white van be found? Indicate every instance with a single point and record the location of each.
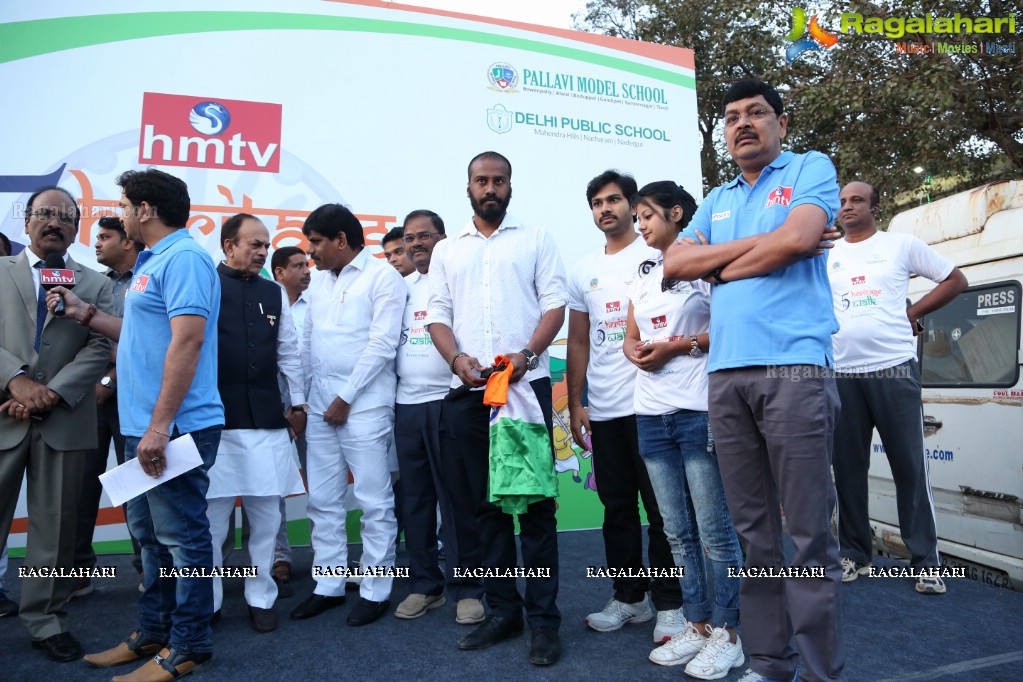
(972, 394)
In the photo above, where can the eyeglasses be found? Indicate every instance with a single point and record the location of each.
(754, 116)
(421, 237)
(48, 214)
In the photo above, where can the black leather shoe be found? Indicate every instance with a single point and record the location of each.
(62, 647)
(491, 631)
(366, 611)
(546, 647)
(215, 618)
(315, 605)
(263, 620)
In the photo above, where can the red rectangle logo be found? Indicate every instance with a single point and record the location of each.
(613, 306)
(205, 132)
(859, 280)
(139, 284)
(660, 321)
(419, 315)
(779, 196)
(52, 278)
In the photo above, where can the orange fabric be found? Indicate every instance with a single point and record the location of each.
(496, 392)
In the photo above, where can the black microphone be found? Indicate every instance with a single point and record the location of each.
(54, 274)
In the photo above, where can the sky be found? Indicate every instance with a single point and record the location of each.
(557, 13)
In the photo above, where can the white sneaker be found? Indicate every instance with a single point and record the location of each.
(669, 623)
(930, 585)
(680, 649)
(852, 570)
(717, 657)
(616, 614)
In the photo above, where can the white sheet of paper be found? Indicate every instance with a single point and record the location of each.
(128, 480)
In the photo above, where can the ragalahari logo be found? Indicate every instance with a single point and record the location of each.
(201, 132)
(818, 39)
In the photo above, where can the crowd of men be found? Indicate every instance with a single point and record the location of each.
(373, 356)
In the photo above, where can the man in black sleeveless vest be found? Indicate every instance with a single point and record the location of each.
(257, 340)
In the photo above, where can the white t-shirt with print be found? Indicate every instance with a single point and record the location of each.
(869, 282)
(423, 375)
(676, 314)
(599, 286)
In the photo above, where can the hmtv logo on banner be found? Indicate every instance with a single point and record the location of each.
(178, 130)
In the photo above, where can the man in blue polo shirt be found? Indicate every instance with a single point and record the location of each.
(167, 361)
(773, 401)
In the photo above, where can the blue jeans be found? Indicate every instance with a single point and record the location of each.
(170, 524)
(678, 451)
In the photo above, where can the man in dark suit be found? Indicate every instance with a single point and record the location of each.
(49, 367)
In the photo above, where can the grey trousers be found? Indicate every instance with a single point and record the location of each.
(773, 432)
(890, 400)
(54, 482)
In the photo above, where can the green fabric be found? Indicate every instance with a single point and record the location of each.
(521, 465)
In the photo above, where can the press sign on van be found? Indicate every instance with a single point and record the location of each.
(996, 302)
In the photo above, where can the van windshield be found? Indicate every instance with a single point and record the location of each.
(974, 340)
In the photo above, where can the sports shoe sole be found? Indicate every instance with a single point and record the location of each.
(717, 676)
(862, 570)
(635, 620)
(929, 589)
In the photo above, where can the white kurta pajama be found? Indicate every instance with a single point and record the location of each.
(260, 466)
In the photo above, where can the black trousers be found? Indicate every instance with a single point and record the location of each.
(622, 479)
(465, 447)
(108, 428)
(417, 440)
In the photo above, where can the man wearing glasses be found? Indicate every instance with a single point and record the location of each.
(773, 401)
(49, 366)
(423, 381)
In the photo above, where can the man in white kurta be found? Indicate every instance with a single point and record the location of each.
(256, 341)
(349, 345)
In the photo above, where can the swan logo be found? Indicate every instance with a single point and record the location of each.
(202, 132)
(209, 118)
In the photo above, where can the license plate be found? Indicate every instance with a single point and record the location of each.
(982, 574)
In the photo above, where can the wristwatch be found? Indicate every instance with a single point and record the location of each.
(694, 348)
(106, 382)
(532, 359)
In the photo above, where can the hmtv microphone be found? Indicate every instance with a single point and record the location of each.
(54, 274)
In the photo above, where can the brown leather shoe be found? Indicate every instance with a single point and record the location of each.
(281, 571)
(135, 647)
(166, 666)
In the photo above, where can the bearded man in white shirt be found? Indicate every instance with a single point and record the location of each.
(350, 339)
(498, 286)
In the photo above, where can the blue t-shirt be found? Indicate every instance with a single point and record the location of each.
(175, 277)
(785, 317)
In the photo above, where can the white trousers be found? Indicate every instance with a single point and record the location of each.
(264, 516)
(282, 548)
(360, 445)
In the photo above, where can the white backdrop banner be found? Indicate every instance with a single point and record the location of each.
(275, 108)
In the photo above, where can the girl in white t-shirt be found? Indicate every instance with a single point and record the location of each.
(667, 340)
